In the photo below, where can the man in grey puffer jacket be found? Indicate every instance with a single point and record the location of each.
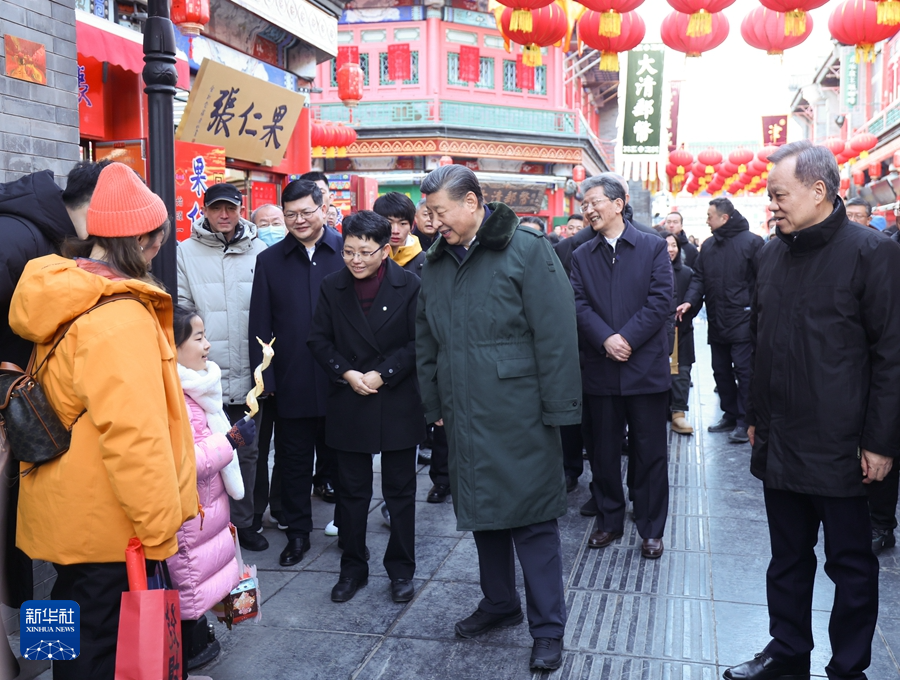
(215, 275)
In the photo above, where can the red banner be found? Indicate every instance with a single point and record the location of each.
(197, 167)
(524, 75)
(91, 111)
(774, 130)
(347, 54)
(399, 62)
(469, 64)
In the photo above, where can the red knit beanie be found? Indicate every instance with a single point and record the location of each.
(122, 205)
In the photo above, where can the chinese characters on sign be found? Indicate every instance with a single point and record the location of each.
(251, 118)
(522, 198)
(197, 167)
(849, 79)
(641, 132)
(774, 130)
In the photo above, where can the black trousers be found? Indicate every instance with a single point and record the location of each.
(572, 446)
(264, 493)
(883, 500)
(97, 588)
(439, 470)
(731, 364)
(242, 510)
(540, 555)
(793, 529)
(398, 485)
(647, 464)
(297, 442)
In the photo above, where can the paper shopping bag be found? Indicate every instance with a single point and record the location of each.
(242, 603)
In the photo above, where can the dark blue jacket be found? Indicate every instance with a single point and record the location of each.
(627, 292)
(285, 292)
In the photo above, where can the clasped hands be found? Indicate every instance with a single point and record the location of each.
(364, 383)
(617, 348)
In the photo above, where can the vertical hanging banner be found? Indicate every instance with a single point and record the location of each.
(524, 75)
(197, 167)
(347, 54)
(399, 62)
(774, 130)
(673, 115)
(849, 80)
(642, 128)
(469, 64)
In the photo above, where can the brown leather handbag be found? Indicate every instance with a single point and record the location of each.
(33, 429)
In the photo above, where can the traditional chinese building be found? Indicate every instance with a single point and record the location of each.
(523, 142)
(260, 142)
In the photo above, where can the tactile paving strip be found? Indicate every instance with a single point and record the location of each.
(578, 666)
(623, 570)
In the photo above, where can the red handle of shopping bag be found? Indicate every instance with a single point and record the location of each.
(136, 565)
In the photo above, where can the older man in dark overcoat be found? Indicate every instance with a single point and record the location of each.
(498, 367)
(825, 396)
(623, 299)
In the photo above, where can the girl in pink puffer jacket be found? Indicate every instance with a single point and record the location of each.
(205, 570)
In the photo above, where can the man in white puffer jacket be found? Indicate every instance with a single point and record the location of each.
(215, 276)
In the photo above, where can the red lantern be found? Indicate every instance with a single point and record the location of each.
(758, 167)
(740, 158)
(875, 170)
(765, 153)
(350, 84)
(190, 15)
(316, 138)
(671, 170)
(701, 12)
(674, 33)
(611, 12)
(631, 33)
(681, 159)
(795, 13)
(863, 143)
(859, 178)
(729, 168)
(522, 19)
(834, 145)
(855, 22)
(578, 173)
(550, 27)
(765, 29)
(709, 157)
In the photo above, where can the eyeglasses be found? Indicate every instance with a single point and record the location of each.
(593, 205)
(305, 214)
(363, 255)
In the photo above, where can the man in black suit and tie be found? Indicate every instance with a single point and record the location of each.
(364, 336)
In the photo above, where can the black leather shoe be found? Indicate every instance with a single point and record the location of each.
(293, 551)
(325, 492)
(739, 435)
(438, 493)
(571, 483)
(724, 425)
(424, 456)
(250, 540)
(402, 590)
(546, 654)
(346, 588)
(881, 539)
(481, 622)
(589, 509)
(764, 667)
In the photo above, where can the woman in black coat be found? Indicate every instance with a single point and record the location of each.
(363, 335)
(681, 383)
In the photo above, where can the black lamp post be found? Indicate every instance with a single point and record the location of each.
(160, 77)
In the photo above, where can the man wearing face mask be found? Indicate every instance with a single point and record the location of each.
(269, 221)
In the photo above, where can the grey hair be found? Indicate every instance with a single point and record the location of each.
(858, 201)
(814, 163)
(262, 207)
(613, 185)
(421, 203)
(456, 180)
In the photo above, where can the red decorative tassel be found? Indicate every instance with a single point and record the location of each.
(524, 75)
(399, 67)
(347, 54)
(469, 64)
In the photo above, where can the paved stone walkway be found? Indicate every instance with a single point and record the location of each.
(689, 615)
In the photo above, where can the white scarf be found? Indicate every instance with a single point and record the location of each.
(205, 387)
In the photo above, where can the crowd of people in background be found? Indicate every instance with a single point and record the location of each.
(450, 333)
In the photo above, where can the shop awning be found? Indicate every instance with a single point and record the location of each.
(104, 40)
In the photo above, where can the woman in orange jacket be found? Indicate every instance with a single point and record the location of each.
(130, 469)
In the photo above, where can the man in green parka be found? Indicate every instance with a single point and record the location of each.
(497, 358)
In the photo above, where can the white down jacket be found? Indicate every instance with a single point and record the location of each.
(217, 278)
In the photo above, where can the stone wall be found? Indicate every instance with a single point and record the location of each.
(39, 123)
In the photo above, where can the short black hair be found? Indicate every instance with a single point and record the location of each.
(301, 188)
(396, 205)
(722, 205)
(182, 315)
(667, 236)
(856, 200)
(536, 221)
(81, 182)
(315, 176)
(368, 225)
(575, 216)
